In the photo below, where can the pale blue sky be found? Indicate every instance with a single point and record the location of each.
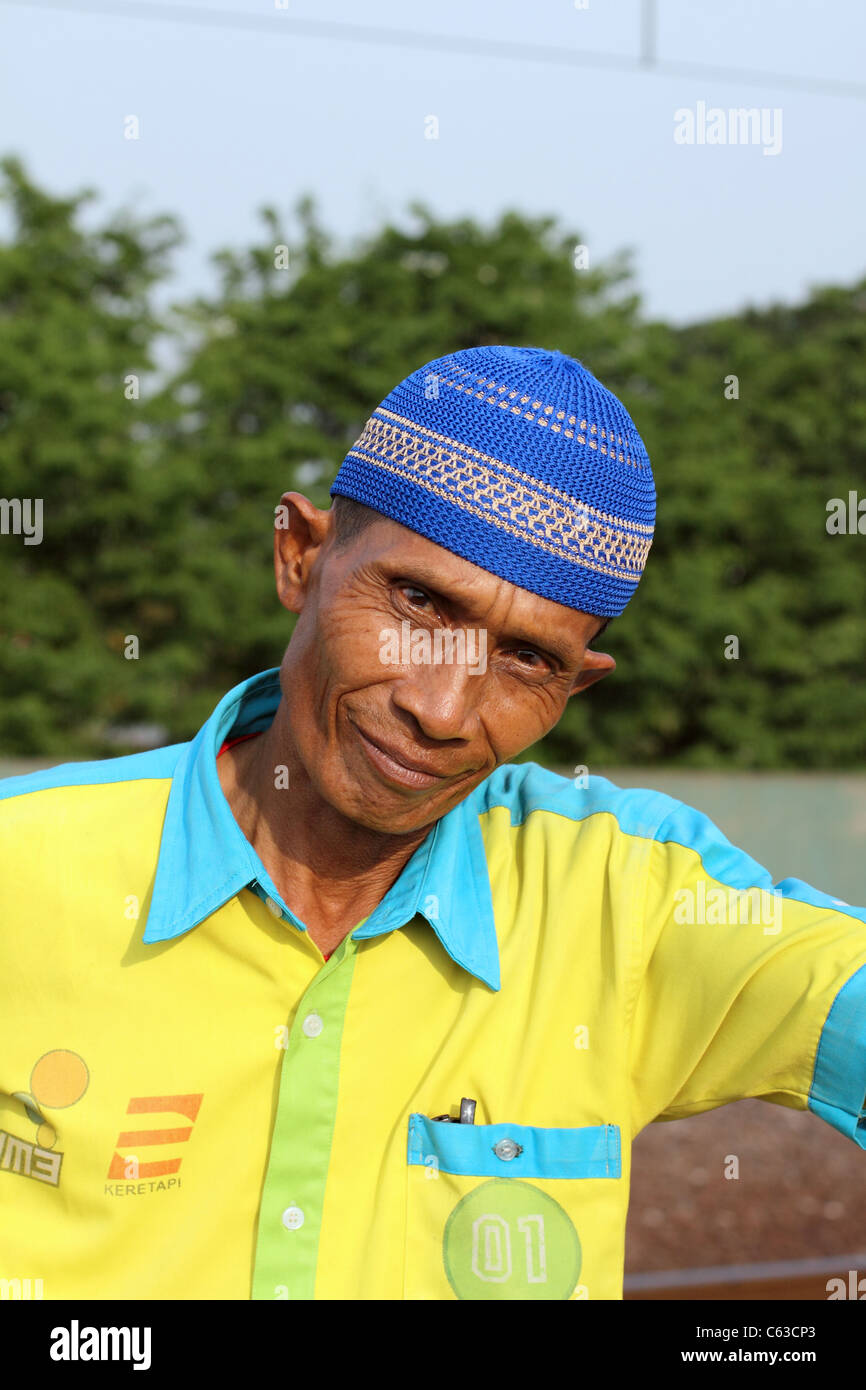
(231, 120)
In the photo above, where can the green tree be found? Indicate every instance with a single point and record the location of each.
(158, 512)
(75, 310)
(742, 549)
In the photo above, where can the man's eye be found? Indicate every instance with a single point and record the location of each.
(416, 597)
(530, 658)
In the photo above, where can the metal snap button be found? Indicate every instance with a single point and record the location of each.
(507, 1148)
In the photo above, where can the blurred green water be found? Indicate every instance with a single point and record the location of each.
(810, 826)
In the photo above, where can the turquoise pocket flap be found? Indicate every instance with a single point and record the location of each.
(515, 1151)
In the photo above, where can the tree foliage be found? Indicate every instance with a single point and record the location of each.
(158, 511)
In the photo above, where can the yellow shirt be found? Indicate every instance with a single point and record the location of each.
(195, 1104)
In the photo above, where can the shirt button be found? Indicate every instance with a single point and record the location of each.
(293, 1217)
(312, 1025)
(506, 1148)
(273, 907)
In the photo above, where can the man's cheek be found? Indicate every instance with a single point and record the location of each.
(363, 647)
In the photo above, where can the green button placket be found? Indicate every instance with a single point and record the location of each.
(297, 1172)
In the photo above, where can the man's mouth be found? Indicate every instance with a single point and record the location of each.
(396, 765)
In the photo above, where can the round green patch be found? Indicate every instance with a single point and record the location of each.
(508, 1239)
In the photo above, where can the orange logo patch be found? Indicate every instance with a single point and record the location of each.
(129, 1141)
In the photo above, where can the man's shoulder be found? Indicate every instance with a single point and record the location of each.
(70, 789)
(528, 790)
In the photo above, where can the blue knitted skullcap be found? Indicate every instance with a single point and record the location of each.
(520, 461)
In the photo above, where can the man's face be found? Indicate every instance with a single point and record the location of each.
(390, 742)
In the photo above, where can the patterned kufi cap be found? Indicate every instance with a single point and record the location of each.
(520, 461)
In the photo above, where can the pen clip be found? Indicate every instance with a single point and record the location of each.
(466, 1116)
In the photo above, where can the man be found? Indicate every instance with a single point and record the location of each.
(338, 1002)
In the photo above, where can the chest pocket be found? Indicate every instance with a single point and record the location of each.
(498, 1211)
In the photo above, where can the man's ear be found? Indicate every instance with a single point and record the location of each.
(596, 665)
(300, 530)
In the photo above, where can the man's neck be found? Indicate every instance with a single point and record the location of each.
(330, 871)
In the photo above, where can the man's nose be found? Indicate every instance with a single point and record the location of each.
(444, 699)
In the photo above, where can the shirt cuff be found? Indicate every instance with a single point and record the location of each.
(839, 1082)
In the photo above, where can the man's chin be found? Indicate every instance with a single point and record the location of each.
(388, 810)
(390, 815)
(371, 794)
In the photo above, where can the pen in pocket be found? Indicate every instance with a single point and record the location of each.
(466, 1117)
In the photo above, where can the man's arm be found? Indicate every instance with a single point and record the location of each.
(747, 988)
